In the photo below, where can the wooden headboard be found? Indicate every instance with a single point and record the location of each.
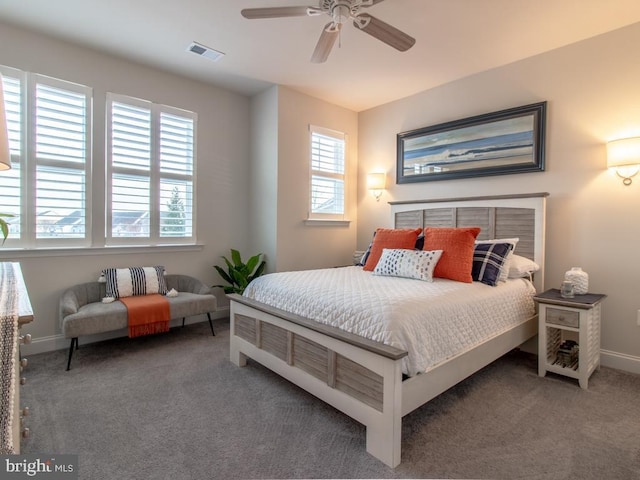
(504, 216)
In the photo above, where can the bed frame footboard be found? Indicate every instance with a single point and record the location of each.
(329, 364)
(363, 378)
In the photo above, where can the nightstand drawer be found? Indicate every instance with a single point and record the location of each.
(566, 318)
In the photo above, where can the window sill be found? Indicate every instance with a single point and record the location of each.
(314, 222)
(112, 250)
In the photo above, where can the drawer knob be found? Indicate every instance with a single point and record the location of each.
(23, 380)
(25, 432)
(25, 339)
(25, 411)
(24, 362)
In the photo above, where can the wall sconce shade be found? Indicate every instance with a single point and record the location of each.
(624, 156)
(376, 183)
(5, 154)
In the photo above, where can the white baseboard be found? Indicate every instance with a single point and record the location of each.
(58, 342)
(620, 361)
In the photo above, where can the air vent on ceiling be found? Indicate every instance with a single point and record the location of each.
(204, 51)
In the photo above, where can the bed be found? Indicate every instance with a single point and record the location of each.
(375, 380)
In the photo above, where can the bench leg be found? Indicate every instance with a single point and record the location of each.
(211, 324)
(74, 341)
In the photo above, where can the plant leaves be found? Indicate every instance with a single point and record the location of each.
(259, 271)
(235, 256)
(252, 262)
(238, 274)
(239, 278)
(224, 275)
(229, 264)
(5, 229)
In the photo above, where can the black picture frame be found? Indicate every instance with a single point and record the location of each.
(498, 143)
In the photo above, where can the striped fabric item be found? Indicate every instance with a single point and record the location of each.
(128, 282)
(8, 346)
(488, 259)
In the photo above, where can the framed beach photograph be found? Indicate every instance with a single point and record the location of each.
(498, 143)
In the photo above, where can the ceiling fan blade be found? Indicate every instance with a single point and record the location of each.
(330, 33)
(384, 32)
(276, 12)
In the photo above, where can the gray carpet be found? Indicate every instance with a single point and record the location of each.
(172, 406)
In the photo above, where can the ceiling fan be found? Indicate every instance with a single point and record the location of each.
(340, 12)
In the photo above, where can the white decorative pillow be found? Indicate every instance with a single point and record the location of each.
(418, 264)
(127, 282)
(504, 270)
(522, 267)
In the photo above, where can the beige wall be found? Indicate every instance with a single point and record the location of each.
(593, 94)
(221, 182)
(263, 194)
(283, 197)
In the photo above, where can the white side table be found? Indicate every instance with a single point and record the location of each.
(562, 321)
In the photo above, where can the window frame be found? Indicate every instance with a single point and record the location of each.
(29, 162)
(91, 191)
(327, 218)
(154, 174)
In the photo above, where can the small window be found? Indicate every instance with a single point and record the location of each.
(327, 174)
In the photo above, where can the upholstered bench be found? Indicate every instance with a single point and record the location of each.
(83, 313)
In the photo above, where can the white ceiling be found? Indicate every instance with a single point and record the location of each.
(455, 39)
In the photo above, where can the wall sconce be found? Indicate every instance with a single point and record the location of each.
(376, 184)
(5, 154)
(624, 156)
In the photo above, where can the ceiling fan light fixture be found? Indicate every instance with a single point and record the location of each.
(341, 12)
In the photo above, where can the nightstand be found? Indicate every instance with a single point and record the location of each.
(569, 334)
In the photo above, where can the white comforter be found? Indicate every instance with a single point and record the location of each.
(432, 321)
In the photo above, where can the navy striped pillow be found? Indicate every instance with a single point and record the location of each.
(488, 259)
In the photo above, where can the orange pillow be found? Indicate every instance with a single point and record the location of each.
(390, 238)
(457, 246)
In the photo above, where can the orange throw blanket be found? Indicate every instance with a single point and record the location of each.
(148, 314)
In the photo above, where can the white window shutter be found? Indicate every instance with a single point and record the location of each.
(61, 152)
(151, 164)
(327, 173)
(48, 123)
(10, 191)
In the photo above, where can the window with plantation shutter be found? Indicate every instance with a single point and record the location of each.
(150, 172)
(46, 198)
(49, 122)
(10, 191)
(327, 192)
(61, 161)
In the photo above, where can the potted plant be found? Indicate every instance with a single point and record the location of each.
(4, 226)
(240, 274)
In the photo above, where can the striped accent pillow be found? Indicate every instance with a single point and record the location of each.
(488, 259)
(127, 282)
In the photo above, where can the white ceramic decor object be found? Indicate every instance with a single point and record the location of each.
(579, 278)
